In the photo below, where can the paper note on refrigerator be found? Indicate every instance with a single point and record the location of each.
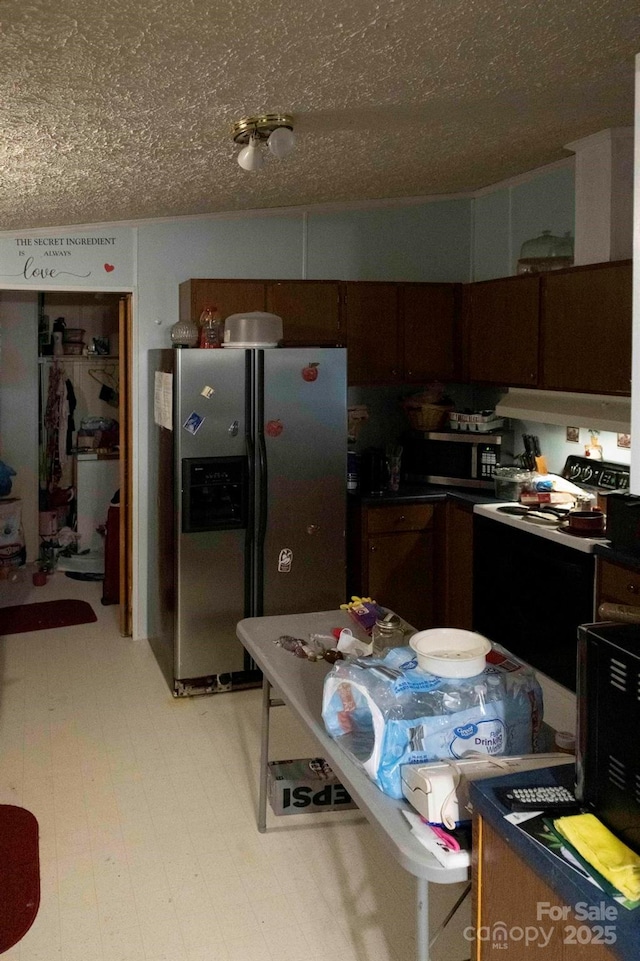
(162, 400)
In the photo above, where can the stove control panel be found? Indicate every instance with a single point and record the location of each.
(599, 474)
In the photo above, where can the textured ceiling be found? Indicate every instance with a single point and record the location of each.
(122, 110)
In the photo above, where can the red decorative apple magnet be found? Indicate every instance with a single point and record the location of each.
(273, 428)
(310, 372)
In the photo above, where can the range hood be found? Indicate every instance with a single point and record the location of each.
(594, 411)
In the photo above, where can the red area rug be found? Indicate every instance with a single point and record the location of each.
(44, 615)
(19, 874)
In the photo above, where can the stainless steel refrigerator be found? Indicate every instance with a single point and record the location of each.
(251, 505)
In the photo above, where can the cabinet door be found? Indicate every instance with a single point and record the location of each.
(229, 296)
(310, 311)
(617, 584)
(454, 562)
(372, 332)
(506, 899)
(401, 574)
(586, 329)
(400, 517)
(430, 335)
(503, 331)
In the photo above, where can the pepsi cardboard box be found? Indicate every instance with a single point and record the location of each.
(305, 784)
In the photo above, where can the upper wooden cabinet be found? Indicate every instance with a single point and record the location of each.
(310, 311)
(563, 330)
(400, 333)
(586, 329)
(396, 333)
(371, 311)
(502, 319)
(430, 334)
(229, 296)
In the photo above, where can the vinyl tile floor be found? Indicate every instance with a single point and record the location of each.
(146, 805)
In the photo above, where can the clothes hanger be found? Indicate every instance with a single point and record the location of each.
(104, 377)
(98, 379)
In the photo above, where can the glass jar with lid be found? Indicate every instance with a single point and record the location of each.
(546, 252)
(564, 246)
(387, 632)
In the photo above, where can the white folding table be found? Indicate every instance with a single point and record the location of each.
(298, 683)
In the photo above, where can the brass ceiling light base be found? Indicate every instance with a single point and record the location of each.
(273, 130)
(261, 126)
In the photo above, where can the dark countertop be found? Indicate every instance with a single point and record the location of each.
(425, 493)
(570, 887)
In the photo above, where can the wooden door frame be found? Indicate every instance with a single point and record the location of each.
(125, 538)
(125, 372)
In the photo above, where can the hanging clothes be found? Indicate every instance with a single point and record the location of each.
(71, 426)
(55, 421)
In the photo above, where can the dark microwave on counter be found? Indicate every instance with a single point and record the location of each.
(455, 458)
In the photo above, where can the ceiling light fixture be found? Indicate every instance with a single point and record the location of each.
(274, 129)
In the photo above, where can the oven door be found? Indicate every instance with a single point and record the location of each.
(530, 595)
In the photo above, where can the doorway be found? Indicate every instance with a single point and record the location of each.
(65, 428)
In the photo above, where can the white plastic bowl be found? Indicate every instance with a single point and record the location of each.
(450, 652)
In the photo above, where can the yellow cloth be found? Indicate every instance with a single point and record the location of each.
(597, 845)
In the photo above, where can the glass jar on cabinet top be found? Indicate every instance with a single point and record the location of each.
(546, 252)
(185, 333)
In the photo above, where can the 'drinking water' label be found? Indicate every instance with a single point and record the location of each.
(485, 737)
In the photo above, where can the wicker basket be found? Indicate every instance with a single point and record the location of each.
(426, 416)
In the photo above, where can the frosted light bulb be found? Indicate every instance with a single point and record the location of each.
(250, 157)
(281, 142)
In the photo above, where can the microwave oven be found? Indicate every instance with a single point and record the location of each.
(455, 458)
(607, 756)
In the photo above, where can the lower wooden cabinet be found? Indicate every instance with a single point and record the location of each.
(619, 585)
(454, 565)
(510, 899)
(391, 558)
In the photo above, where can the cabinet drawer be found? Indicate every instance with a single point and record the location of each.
(408, 517)
(620, 584)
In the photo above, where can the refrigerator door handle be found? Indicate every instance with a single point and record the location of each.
(262, 520)
(250, 546)
(251, 465)
(261, 484)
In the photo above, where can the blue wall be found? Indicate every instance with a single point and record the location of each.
(507, 216)
(428, 242)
